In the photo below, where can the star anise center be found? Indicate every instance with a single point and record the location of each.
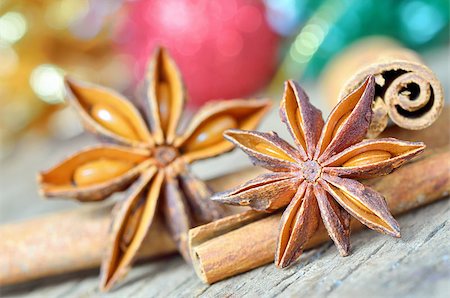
(311, 170)
(165, 155)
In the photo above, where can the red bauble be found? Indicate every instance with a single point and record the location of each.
(224, 48)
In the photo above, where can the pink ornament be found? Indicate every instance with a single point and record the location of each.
(224, 48)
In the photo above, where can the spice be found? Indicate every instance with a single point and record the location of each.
(241, 242)
(148, 157)
(79, 238)
(407, 91)
(432, 136)
(316, 179)
(80, 235)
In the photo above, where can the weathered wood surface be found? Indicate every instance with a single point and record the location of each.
(417, 265)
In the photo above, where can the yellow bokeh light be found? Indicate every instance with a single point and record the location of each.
(47, 81)
(61, 14)
(13, 27)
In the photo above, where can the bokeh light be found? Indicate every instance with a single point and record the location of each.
(421, 21)
(61, 14)
(13, 27)
(47, 81)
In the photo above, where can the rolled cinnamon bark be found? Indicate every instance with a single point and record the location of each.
(407, 91)
(75, 240)
(435, 136)
(241, 242)
(65, 242)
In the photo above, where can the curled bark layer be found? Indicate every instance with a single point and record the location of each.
(407, 91)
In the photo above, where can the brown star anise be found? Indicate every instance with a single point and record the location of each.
(148, 156)
(316, 179)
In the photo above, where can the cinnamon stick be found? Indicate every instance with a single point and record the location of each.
(407, 92)
(241, 242)
(75, 240)
(65, 242)
(434, 136)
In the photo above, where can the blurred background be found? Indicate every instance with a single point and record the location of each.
(224, 48)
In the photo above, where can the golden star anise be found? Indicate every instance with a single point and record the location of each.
(149, 157)
(316, 179)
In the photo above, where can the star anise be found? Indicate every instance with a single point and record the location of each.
(316, 179)
(147, 155)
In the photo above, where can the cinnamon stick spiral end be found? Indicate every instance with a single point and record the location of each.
(407, 92)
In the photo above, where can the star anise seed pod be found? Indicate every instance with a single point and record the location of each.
(147, 155)
(316, 179)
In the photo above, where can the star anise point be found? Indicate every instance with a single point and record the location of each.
(312, 180)
(145, 152)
